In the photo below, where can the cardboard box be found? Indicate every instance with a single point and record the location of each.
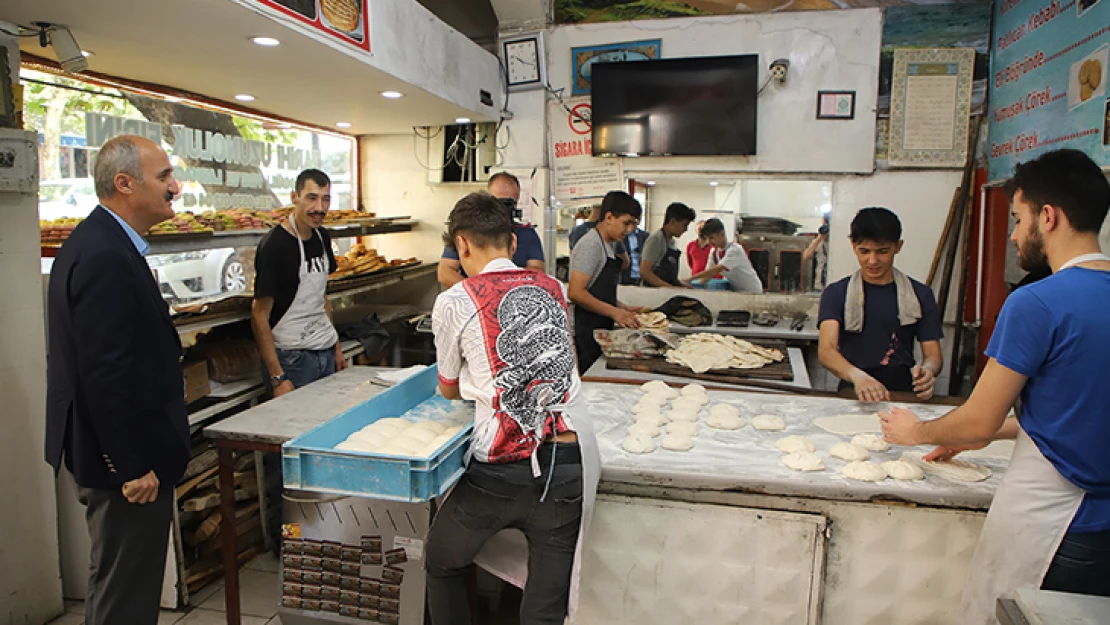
(196, 380)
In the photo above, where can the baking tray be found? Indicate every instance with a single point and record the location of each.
(733, 319)
(311, 462)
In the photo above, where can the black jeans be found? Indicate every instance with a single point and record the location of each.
(1081, 565)
(492, 497)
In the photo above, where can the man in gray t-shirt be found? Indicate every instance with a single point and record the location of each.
(659, 260)
(590, 254)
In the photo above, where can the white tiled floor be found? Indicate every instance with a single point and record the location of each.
(259, 589)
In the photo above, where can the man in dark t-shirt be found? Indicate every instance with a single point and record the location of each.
(291, 315)
(869, 321)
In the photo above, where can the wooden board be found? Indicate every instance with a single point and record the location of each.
(774, 371)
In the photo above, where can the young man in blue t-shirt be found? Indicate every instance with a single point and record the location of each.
(528, 253)
(1049, 522)
(869, 321)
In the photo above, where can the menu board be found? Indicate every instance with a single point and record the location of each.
(341, 19)
(1048, 81)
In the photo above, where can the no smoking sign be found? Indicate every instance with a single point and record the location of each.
(579, 119)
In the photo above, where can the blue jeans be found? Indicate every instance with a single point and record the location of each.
(305, 366)
(1081, 565)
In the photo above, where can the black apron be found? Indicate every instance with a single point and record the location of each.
(585, 322)
(667, 267)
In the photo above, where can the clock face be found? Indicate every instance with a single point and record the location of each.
(523, 61)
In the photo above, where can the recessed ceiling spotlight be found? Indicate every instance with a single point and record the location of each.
(245, 97)
(392, 95)
(343, 124)
(651, 183)
(87, 53)
(269, 42)
(713, 183)
(462, 120)
(173, 98)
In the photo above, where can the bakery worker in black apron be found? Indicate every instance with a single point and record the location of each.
(595, 272)
(660, 260)
(869, 321)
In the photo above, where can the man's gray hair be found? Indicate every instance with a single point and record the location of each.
(118, 155)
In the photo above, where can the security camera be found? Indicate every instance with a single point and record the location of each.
(65, 47)
(778, 69)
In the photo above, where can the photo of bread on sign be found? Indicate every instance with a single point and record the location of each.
(1088, 77)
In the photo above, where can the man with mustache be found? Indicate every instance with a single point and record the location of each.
(1049, 522)
(291, 314)
(115, 402)
(869, 321)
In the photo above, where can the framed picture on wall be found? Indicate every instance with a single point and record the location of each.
(836, 105)
(583, 59)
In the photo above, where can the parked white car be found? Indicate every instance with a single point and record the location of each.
(66, 197)
(200, 274)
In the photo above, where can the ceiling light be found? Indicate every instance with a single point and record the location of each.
(173, 98)
(713, 183)
(462, 120)
(392, 95)
(285, 125)
(244, 97)
(269, 42)
(651, 183)
(87, 53)
(343, 124)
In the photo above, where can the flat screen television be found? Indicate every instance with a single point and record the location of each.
(693, 106)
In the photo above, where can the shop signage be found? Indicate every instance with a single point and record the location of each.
(345, 20)
(1048, 81)
(576, 174)
(202, 157)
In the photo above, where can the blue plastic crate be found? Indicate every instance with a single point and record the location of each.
(311, 462)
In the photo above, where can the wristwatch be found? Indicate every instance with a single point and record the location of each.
(278, 379)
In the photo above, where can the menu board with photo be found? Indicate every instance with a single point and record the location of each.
(1048, 81)
(343, 19)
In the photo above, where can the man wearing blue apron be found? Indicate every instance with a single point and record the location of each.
(595, 273)
(503, 340)
(291, 314)
(1049, 523)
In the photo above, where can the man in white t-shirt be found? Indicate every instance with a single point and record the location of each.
(728, 259)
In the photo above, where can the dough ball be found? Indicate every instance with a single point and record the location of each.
(420, 434)
(387, 427)
(724, 410)
(644, 429)
(677, 442)
(404, 446)
(724, 421)
(635, 444)
(849, 452)
(432, 426)
(804, 461)
(683, 415)
(650, 418)
(453, 430)
(687, 403)
(368, 437)
(687, 428)
(691, 389)
(794, 444)
(902, 470)
(392, 421)
(354, 445)
(645, 407)
(699, 398)
(872, 442)
(864, 471)
(769, 422)
(659, 387)
(657, 399)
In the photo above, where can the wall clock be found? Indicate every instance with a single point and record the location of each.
(524, 62)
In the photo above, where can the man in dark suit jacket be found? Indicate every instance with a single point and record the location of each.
(115, 395)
